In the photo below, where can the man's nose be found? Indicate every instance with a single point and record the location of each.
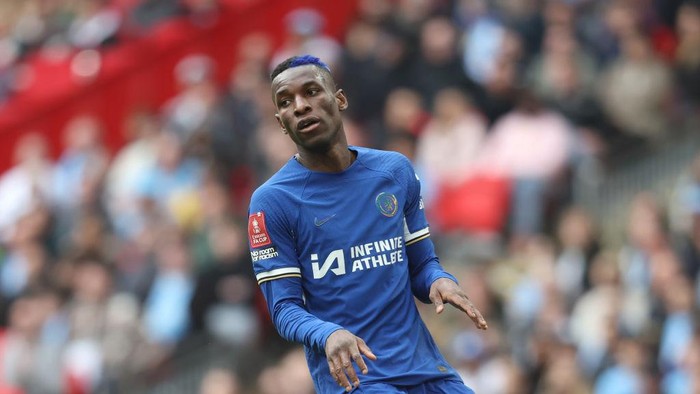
(301, 105)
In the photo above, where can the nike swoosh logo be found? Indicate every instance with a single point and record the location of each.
(321, 222)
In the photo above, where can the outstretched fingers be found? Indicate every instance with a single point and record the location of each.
(338, 373)
(349, 370)
(463, 303)
(343, 351)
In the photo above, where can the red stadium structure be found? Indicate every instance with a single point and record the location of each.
(139, 71)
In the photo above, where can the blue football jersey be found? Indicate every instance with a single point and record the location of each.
(349, 250)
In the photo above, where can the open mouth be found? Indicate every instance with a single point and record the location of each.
(307, 124)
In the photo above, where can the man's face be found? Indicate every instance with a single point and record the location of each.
(308, 107)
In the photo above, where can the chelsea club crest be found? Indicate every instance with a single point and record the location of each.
(387, 204)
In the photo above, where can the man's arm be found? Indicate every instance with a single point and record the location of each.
(295, 323)
(424, 268)
(431, 283)
(292, 320)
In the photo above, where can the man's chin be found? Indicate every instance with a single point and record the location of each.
(318, 144)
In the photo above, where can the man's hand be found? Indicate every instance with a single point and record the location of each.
(342, 348)
(446, 290)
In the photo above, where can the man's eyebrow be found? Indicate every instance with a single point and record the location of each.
(285, 90)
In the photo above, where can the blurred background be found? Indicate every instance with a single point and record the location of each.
(557, 143)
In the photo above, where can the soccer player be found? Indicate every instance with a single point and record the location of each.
(340, 247)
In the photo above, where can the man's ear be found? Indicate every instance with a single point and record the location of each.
(341, 100)
(279, 120)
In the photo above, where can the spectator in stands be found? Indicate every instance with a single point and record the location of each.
(562, 373)
(168, 188)
(577, 245)
(223, 301)
(534, 168)
(594, 315)
(635, 90)
(500, 87)
(665, 267)
(647, 264)
(627, 375)
(528, 19)
(448, 146)
(364, 72)
(190, 112)
(126, 354)
(105, 337)
(237, 117)
(483, 38)
(645, 237)
(30, 361)
(31, 26)
(446, 154)
(528, 296)
(404, 112)
(684, 212)
(24, 261)
(79, 172)
(305, 34)
(165, 313)
(685, 379)
(382, 39)
(90, 235)
(437, 65)
(617, 20)
(563, 76)
(217, 209)
(122, 181)
(687, 64)
(679, 324)
(26, 185)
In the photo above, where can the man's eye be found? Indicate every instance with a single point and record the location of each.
(312, 92)
(284, 103)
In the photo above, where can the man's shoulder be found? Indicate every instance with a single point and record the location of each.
(382, 159)
(285, 182)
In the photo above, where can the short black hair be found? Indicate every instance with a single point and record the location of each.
(296, 61)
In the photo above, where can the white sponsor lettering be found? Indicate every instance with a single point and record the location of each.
(365, 256)
(382, 246)
(264, 254)
(335, 256)
(380, 260)
(260, 239)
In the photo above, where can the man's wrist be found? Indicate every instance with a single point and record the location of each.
(328, 334)
(442, 275)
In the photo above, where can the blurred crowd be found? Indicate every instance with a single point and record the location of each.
(110, 263)
(55, 28)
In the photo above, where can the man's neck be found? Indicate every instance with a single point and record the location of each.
(337, 159)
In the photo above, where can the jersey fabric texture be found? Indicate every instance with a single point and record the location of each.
(349, 250)
(442, 386)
